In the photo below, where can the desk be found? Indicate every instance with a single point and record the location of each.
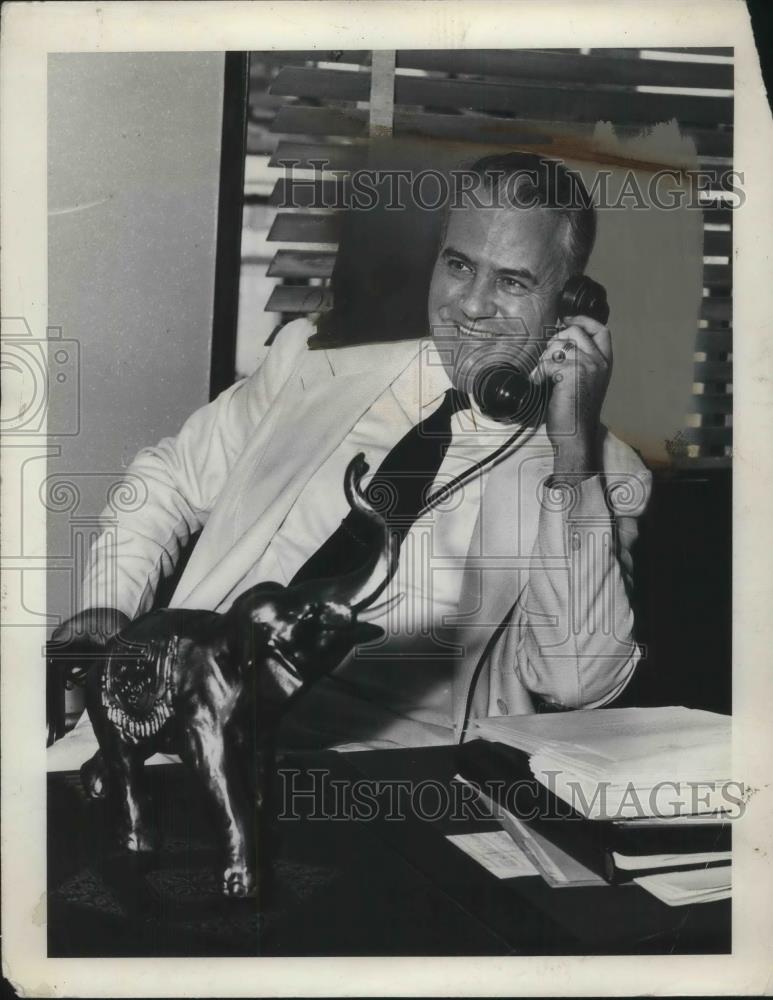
(343, 885)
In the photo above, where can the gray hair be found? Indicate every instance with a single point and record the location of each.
(523, 180)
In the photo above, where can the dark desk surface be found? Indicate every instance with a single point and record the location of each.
(343, 885)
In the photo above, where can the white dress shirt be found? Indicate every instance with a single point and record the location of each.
(402, 682)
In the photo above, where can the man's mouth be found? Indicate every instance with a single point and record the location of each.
(469, 331)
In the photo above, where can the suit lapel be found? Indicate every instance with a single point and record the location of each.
(322, 400)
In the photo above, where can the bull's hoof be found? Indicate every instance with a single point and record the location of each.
(94, 777)
(238, 883)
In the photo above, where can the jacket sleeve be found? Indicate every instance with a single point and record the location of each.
(173, 486)
(571, 640)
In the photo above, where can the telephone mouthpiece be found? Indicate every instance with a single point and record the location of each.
(502, 392)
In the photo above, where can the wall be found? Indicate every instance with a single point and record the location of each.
(134, 160)
(651, 262)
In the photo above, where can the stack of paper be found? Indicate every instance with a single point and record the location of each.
(649, 790)
(626, 762)
(697, 885)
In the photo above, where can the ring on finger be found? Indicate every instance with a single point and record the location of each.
(560, 355)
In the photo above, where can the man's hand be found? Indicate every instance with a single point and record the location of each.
(578, 362)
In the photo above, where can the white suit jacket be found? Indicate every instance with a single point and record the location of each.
(544, 606)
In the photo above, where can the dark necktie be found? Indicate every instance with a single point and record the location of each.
(398, 490)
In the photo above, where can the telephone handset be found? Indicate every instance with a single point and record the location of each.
(505, 392)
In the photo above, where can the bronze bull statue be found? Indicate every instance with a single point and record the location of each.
(212, 688)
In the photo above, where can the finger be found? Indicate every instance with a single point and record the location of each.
(562, 350)
(558, 351)
(569, 334)
(600, 333)
(585, 344)
(553, 373)
(573, 342)
(558, 341)
(571, 364)
(556, 371)
(540, 373)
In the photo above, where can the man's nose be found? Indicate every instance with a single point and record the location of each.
(477, 301)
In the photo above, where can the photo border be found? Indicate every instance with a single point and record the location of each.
(29, 32)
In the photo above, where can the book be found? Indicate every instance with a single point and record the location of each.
(614, 850)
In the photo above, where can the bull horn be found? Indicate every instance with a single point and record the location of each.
(369, 614)
(390, 553)
(392, 558)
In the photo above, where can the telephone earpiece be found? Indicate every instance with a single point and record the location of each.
(504, 392)
(582, 296)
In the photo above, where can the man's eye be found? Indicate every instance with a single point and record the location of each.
(513, 286)
(459, 266)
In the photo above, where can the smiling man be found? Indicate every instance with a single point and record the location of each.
(496, 287)
(513, 583)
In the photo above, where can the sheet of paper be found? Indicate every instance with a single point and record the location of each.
(630, 862)
(496, 851)
(700, 885)
(629, 742)
(557, 867)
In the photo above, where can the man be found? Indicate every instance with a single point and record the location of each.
(515, 587)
